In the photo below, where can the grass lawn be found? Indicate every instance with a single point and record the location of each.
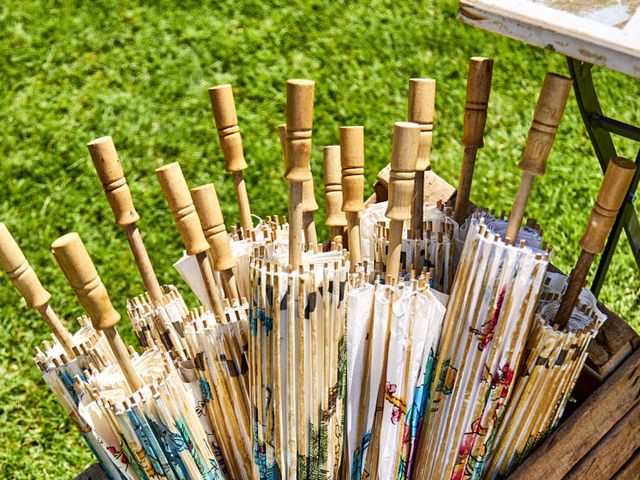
(140, 73)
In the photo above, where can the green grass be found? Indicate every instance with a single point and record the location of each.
(140, 74)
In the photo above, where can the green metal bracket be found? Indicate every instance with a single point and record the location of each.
(600, 129)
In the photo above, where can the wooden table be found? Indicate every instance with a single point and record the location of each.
(588, 32)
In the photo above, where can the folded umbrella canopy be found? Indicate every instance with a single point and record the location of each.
(488, 319)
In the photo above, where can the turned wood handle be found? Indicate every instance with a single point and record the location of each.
(76, 264)
(333, 187)
(404, 154)
(613, 190)
(475, 109)
(549, 109)
(422, 97)
(224, 112)
(352, 162)
(105, 160)
(176, 193)
(309, 203)
(208, 208)
(13, 261)
(299, 123)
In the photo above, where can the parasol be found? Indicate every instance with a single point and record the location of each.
(489, 316)
(557, 347)
(140, 409)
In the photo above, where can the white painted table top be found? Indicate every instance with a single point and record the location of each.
(602, 32)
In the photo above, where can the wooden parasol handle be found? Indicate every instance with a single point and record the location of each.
(422, 96)
(613, 190)
(336, 219)
(549, 109)
(208, 208)
(406, 141)
(475, 118)
(76, 264)
(309, 204)
(352, 162)
(176, 193)
(299, 122)
(24, 278)
(105, 160)
(226, 118)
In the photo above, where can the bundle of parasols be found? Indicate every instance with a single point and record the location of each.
(418, 341)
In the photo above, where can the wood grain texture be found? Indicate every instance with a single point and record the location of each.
(586, 427)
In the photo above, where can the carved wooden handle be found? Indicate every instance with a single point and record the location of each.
(309, 203)
(549, 110)
(422, 97)
(406, 139)
(475, 110)
(352, 161)
(300, 95)
(333, 187)
(207, 205)
(613, 190)
(176, 193)
(13, 261)
(76, 264)
(105, 160)
(224, 112)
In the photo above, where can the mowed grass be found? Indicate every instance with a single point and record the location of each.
(140, 73)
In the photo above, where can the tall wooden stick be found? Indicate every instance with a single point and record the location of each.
(475, 117)
(352, 160)
(76, 264)
(422, 97)
(309, 204)
(105, 159)
(13, 261)
(224, 112)
(299, 117)
(549, 110)
(613, 190)
(406, 140)
(336, 218)
(176, 193)
(208, 208)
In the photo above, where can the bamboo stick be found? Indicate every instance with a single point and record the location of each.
(422, 96)
(549, 110)
(209, 212)
(352, 161)
(176, 193)
(299, 117)
(24, 278)
(336, 218)
(226, 118)
(406, 139)
(475, 117)
(76, 264)
(107, 164)
(613, 190)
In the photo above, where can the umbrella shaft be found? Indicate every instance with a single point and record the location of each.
(243, 202)
(417, 210)
(574, 287)
(143, 262)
